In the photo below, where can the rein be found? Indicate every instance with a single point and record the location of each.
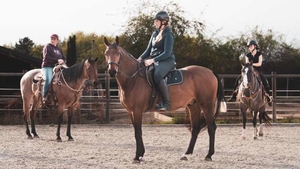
(75, 90)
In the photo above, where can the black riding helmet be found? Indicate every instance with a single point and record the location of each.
(252, 42)
(162, 16)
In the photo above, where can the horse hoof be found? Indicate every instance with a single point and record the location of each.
(30, 137)
(70, 139)
(136, 161)
(207, 159)
(36, 136)
(58, 140)
(260, 134)
(255, 138)
(184, 158)
(243, 138)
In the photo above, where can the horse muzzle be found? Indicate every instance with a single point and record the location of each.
(112, 72)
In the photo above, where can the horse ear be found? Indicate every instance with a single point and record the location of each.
(106, 41)
(96, 59)
(117, 40)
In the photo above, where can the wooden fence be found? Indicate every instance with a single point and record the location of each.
(104, 100)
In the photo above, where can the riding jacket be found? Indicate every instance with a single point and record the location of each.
(162, 53)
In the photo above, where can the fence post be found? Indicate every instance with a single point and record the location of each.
(107, 91)
(274, 96)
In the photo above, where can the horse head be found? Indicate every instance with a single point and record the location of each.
(112, 56)
(248, 83)
(91, 70)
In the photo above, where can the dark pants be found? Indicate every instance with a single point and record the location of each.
(161, 70)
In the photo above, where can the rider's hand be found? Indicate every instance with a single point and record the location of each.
(139, 59)
(148, 62)
(60, 61)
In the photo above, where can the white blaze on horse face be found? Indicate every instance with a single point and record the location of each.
(245, 79)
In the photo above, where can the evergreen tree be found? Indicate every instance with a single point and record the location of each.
(71, 51)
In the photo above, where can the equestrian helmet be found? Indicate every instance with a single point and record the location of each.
(162, 15)
(252, 42)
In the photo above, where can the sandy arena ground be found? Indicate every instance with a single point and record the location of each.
(113, 147)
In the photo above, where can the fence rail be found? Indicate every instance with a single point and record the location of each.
(108, 97)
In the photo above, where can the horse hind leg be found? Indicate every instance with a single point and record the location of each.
(197, 123)
(262, 116)
(26, 116)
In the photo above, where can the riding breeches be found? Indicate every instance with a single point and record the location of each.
(47, 76)
(161, 69)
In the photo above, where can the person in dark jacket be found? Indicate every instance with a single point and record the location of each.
(52, 55)
(256, 58)
(160, 53)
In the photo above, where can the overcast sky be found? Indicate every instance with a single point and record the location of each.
(38, 19)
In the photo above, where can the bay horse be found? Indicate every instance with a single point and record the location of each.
(251, 97)
(66, 85)
(201, 89)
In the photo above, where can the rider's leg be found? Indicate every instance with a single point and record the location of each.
(235, 90)
(161, 69)
(47, 76)
(266, 86)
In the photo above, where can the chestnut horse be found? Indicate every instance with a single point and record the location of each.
(251, 96)
(201, 90)
(67, 87)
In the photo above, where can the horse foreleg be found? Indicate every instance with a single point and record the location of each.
(60, 119)
(254, 121)
(140, 149)
(70, 114)
(243, 136)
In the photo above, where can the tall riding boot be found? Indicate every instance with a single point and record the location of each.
(268, 95)
(163, 88)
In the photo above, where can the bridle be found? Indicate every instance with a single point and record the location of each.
(121, 72)
(253, 94)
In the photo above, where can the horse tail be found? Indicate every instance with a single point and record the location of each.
(220, 98)
(265, 118)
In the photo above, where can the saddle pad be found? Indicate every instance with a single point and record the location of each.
(174, 77)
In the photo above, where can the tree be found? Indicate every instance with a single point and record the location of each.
(24, 46)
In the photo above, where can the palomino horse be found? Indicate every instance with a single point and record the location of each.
(201, 89)
(252, 97)
(67, 87)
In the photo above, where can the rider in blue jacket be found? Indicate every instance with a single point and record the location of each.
(160, 51)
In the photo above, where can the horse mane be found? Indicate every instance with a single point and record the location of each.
(127, 53)
(74, 72)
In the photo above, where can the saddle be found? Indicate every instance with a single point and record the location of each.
(37, 85)
(174, 77)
